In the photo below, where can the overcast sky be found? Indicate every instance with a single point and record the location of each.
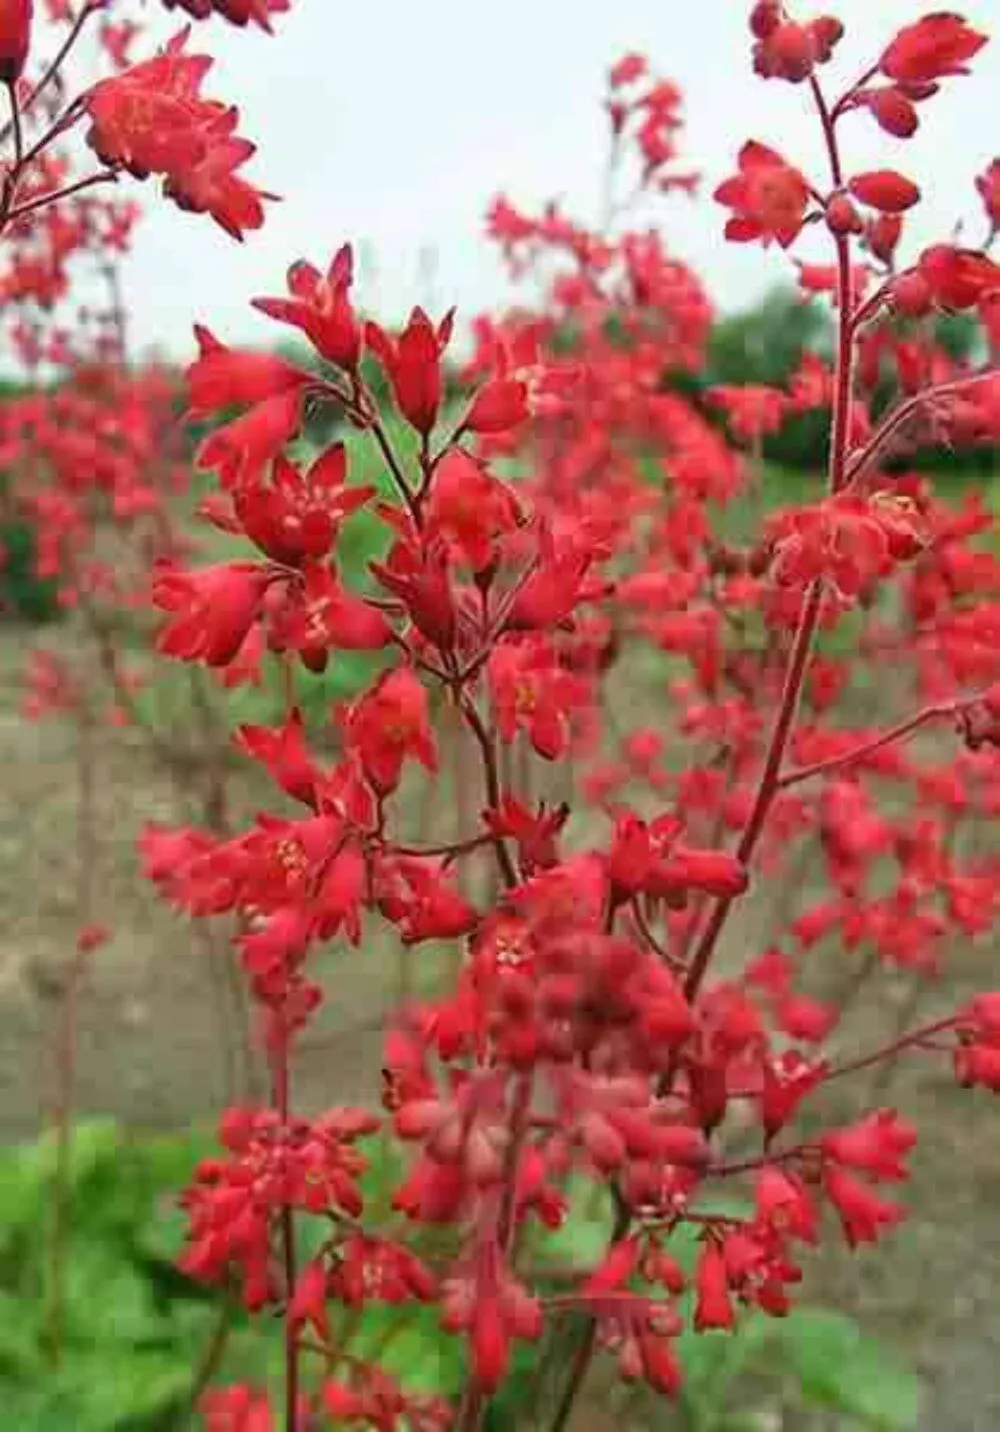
(394, 123)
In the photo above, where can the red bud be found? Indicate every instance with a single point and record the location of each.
(842, 216)
(15, 37)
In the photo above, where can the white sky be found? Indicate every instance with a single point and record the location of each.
(394, 123)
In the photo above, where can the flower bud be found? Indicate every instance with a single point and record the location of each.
(911, 295)
(842, 217)
(15, 38)
(793, 52)
(765, 17)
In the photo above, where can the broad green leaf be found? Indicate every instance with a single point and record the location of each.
(839, 1366)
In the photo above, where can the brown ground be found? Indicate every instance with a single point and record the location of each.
(149, 1052)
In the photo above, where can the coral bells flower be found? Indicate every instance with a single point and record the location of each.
(413, 365)
(469, 508)
(956, 278)
(713, 1308)
(788, 51)
(296, 518)
(237, 12)
(221, 377)
(876, 1144)
(487, 1303)
(152, 120)
(213, 609)
(373, 1399)
(320, 305)
(885, 190)
(15, 37)
(388, 724)
(863, 1215)
(768, 197)
(236, 1409)
(977, 1055)
(935, 47)
(235, 1201)
(533, 692)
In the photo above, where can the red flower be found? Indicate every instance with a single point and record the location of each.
(627, 70)
(151, 119)
(413, 364)
(977, 1055)
(863, 1215)
(417, 573)
(388, 724)
(237, 12)
(296, 519)
(236, 1409)
(469, 508)
(222, 377)
(713, 1308)
(240, 450)
(885, 190)
(957, 278)
(320, 305)
(214, 609)
(784, 1205)
(375, 1400)
(893, 111)
(284, 754)
(491, 1307)
(936, 46)
(876, 1144)
(753, 410)
(321, 615)
(307, 1306)
(423, 906)
(789, 51)
(15, 38)
(768, 198)
(532, 691)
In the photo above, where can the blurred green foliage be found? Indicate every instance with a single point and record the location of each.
(23, 593)
(136, 1335)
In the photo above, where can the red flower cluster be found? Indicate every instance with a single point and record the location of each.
(555, 561)
(152, 119)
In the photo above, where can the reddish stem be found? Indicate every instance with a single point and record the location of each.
(492, 776)
(907, 1041)
(868, 748)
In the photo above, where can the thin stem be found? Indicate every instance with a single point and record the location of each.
(671, 961)
(907, 1041)
(282, 1101)
(106, 176)
(492, 777)
(14, 172)
(406, 492)
(901, 414)
(450, 851)
(579, 1368)
(868, 748)
(55, 65)
(15, 124)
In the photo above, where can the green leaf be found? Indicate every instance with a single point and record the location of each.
(840, 1367)
(712, 1362)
